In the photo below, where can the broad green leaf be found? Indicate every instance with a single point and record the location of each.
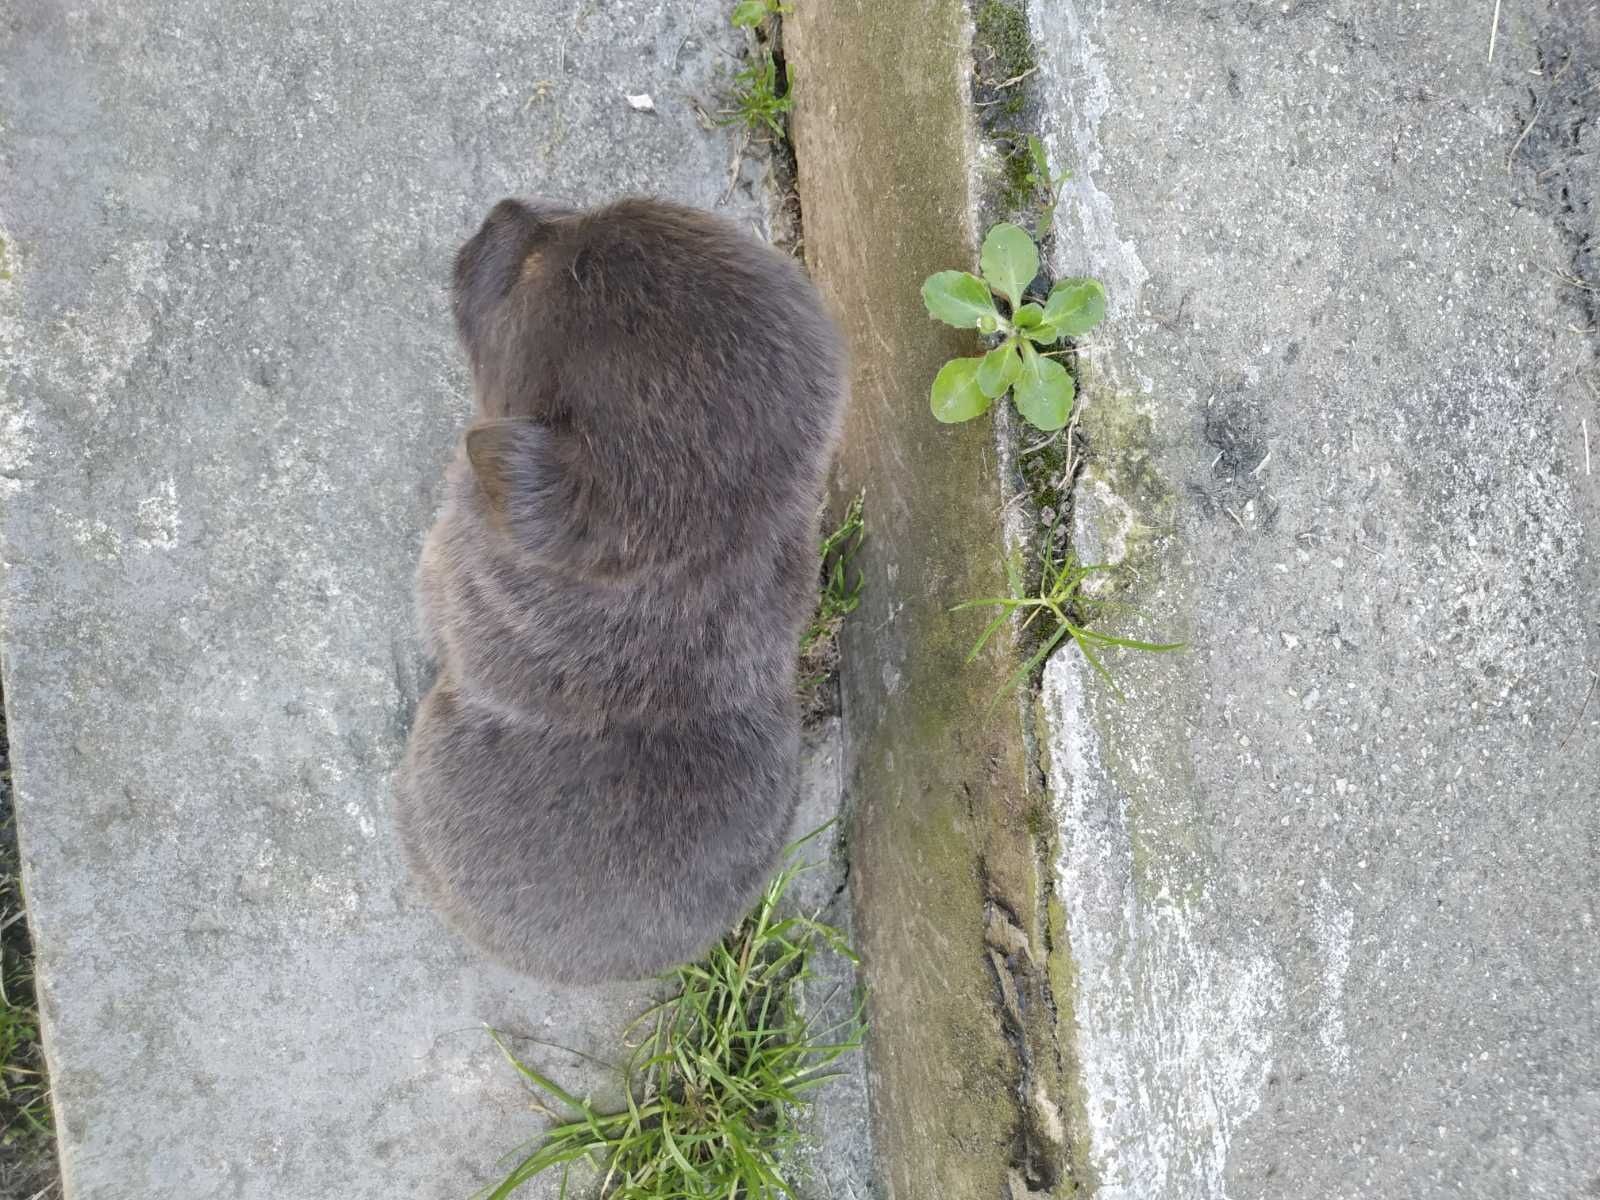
(1075, 306)
(748, 13)
(1029, 316)
(1043, 335)
(956, 395)
(998, 369)
(960, 299)
(1009, 260)
(1043, 391)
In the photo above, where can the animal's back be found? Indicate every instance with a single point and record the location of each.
(604, 774)
(581, 854)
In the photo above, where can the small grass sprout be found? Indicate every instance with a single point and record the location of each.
(841, 591)
(747, 14)
(1039, 177)
(1065, 607)
(24, 1092)
(1041, 388)
(760, 102)
(718, 1079)
(838, 597)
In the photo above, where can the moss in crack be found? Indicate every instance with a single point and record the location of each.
(1016, 187)
(1003, 44)
(1003, 61)
(1046, 471)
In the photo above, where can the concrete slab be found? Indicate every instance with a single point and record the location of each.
(229, 386)
(1330, 877)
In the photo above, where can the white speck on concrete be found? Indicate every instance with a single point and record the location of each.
(157, 527)
(94, 537)
(16, 423)
(1333, 924)
(363, 819)
(891, 679)
(16, 444)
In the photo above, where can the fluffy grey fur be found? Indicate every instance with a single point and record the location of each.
(604, 772)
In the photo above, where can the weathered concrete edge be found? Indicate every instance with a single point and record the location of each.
(835, 1159)
(16, 454)
(1120, 510)
(950, 901)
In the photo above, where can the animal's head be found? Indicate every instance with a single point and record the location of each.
(640, 365)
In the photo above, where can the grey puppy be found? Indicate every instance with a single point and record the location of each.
(604, 772)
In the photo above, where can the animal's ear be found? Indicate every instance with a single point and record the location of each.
(489, 264)
(508, 457)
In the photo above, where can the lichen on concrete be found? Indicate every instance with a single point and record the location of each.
(1133, 504)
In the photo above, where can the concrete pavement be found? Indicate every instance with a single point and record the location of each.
(230, 383)
(1330, 877)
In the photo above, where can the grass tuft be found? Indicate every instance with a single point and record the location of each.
(1066, 607)
(839, 596)
(717, 1082)
(760, 100)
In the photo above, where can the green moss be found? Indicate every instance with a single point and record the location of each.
(1002, 51)
(1038, 819)
(1016, 189)
(5, 266)
(1044, 474)
(1059, 965)
(1003, 58)
(1002, 31)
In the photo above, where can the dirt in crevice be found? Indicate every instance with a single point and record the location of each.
(1039, 1163)
(1038, 481)
(1555, 157)
(764, 165)
(28, 1168)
